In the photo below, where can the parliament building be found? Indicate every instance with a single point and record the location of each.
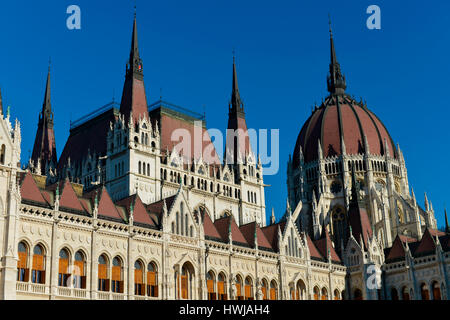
(124, 213)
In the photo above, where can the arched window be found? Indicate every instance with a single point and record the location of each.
(148, 169)
(239, 288)
(436, 291)
(357, 295)
(143, 168)
(152, 280)
(103, 279)
(316, 293)
(424, 292)
(324, 294)
(339, 220)
(405, 293)
(2, 154)
(63, 274)
(79, 273)
(38, 271)
(139, 288)
(139, 167)
(185, 282)
(221, 287)
(301, 290)
(23, 272)
(248, 289)
(210, 279)
(394, 294)
(116, 276)
(337, 295)
(273, 290)
(264, 289)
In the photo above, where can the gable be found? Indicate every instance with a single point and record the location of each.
(106, 206)
(426, 245)
(209, 228)
(397, 251)
(30, 191)
(69, 198)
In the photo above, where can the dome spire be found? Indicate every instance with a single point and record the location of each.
(335, 80)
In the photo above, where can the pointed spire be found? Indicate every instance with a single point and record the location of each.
(427, 206)
(44, 149)
(447, 227)
(386, 148)
(47, 105)
(236, 102)
(366, 144)
(288, 207)
(238, 139)
(135, 63)
(354, 192)
(335, 80)
(343, 148)
(319, 149)
(134, 101)
(272, 218)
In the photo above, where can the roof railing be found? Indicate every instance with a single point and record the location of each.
(93, 114)
(153, 106)
(174, 107)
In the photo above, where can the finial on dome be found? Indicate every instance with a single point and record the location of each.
(335, 79)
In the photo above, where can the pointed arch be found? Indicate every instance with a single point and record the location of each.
(152, 279)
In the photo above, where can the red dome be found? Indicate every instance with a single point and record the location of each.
(345, 118)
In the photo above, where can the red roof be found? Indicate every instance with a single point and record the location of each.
(106, 206)
(88, 137)
(140, 214)
(68, 197)
(271, 233)
(199, 143)
(222, 226)
(426, 245)
(248, 231)
(313, 251)
(209, 228)
(157, 207)
(29, 189)
(397, 251)
(360, 224)
(348, 120)
(324, 244)
(134, 99)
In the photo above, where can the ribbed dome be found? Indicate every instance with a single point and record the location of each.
(341, 118)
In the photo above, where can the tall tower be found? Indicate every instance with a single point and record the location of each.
(133, 143)
(240, 157)
(44, 151)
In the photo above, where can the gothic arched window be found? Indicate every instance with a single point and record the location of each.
(339, 219)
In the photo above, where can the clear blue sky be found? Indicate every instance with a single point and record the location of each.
(282, 52)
